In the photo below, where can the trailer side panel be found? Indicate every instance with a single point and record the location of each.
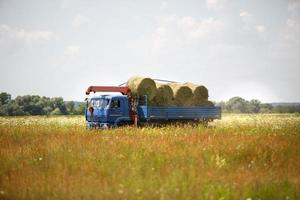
(151, 113)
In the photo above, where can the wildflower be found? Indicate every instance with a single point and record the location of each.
(220, 162)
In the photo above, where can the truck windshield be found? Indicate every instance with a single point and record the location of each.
(99, 103)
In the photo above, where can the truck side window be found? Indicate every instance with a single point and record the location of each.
(115, 104)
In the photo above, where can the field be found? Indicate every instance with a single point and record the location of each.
(238, 157)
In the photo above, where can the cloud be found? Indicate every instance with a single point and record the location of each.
(294, 7)
(291, 32)
(80, 20)
(29, 37)
(249, 23)
(199, 29)
(72, 50)
(260, 29)
(173, 32)
(164, 4)
(246, 17)
(215, 4)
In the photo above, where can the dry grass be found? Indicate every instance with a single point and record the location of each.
(239, 157)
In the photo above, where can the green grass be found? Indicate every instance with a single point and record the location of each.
(238, 157)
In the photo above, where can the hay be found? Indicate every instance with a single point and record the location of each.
(183, 95)
(205, 103)
(187, 94)
(164, 95)
(141, 86)
(200, 93)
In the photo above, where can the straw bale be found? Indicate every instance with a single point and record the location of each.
(164, 95)
(183, 95)
(200, 93)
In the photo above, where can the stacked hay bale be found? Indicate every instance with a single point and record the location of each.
(164, 95)
(200, 97)
(172, 94)
(183, 95)
(141, 86)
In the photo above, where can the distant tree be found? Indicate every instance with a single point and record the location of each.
(44, 102)
(36, 105)
(70, 105)
(236, 104)
(222, 104)
(56, 111)
(4, 110)
(4, 98)
(14, 109)
(80, 109)
(266, 108)
(253, 106)
(30, 104)
(58, 102)
(286, 109)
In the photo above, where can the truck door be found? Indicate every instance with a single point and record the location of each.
(116, 110)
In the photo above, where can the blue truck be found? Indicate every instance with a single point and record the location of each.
(115, 110)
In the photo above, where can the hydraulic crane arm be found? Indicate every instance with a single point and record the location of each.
(123, 90)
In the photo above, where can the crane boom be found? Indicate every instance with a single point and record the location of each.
(123, 90)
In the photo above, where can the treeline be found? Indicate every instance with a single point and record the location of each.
(240, 105)
(36, 105)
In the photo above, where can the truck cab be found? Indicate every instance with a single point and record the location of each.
(107, 111)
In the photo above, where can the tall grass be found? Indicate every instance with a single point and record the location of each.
(238, 157)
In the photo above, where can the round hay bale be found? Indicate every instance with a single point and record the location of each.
(183, 95)
(141, 86)
(205, 103)
(200, 93)
(164, 95)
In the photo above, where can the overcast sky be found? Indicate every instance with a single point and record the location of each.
(235, 48)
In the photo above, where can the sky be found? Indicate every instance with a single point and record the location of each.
(240, 48)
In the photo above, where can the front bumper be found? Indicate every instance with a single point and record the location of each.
(91, 125)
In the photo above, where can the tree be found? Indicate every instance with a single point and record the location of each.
(253, 106)
(236, 104)
(4, 98)
(44, 102)
(30, 104)
(222, 104)
(58, 102)
(70, 107)
(265, 108)
(36, 105)
(80, 109)
(56, 111)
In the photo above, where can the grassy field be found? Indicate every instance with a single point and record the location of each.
(238, 157)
